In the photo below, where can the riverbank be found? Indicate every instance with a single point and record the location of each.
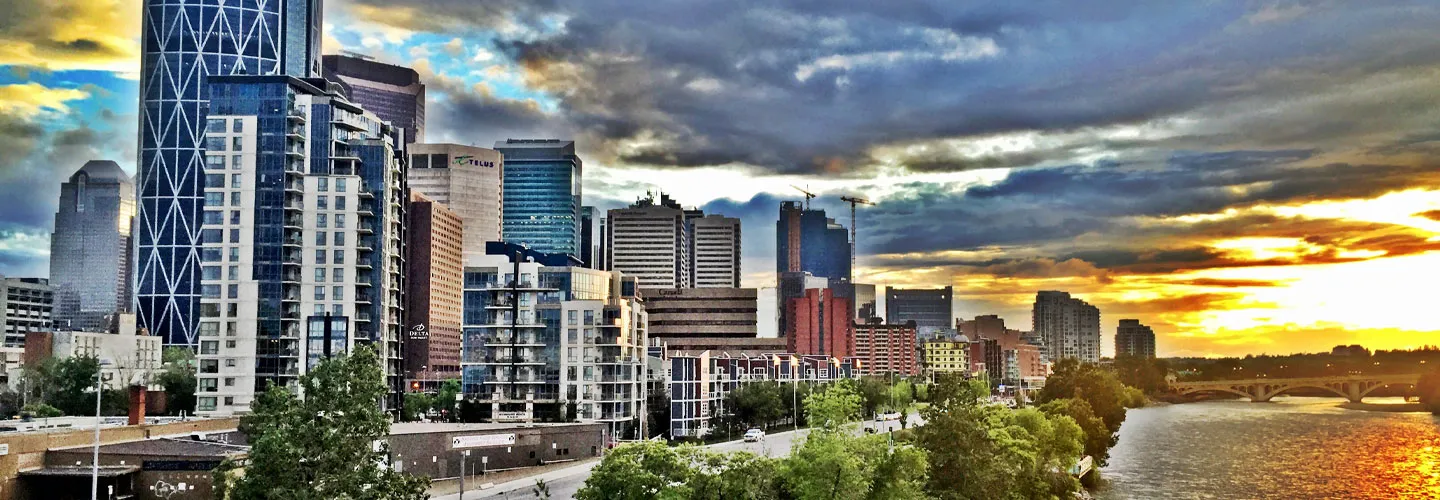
(1386, 408)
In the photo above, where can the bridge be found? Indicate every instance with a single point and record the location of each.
(1352, 387)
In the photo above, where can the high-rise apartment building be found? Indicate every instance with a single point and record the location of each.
(393, 93)
(820, 324)
(466, 179)
(808, 241)
(302, 238)
(1134, 339)
(182, 44)
(1069, 327)
(885, 348)
(930, 309)
(715, 255)
(26, 305)
(435, 299)
(542, 195)
(90, 250)
(538, 338)
(650, 241)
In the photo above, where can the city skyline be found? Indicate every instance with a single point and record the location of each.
(1249, 196)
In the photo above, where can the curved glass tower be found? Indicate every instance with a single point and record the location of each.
(183, 41)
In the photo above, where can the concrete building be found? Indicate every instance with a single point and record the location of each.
(181, 51)
(302, 237)
(650, 241)
(699, 382)
(542, 195)
(394, 93)
(865, 303)
(1134, 339)
(943, 356)
(134, 357)
(1069, 327)
(1023, 368)
(539, 338)
(931, 309)
(793, 286)
(807, 241)
(715, 255)
(467, 180)
(26, 305)
(435, 298)
(701, 312)
(820, 324)
(885, 349)
(90, 250)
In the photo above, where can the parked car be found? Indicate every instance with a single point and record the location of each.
(754, 435)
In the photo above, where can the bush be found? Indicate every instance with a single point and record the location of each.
(41, 410)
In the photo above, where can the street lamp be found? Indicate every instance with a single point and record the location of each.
(95, 459)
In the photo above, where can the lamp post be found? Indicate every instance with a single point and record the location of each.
(100, 365)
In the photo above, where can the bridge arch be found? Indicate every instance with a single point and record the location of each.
(1269, 392)
(1221, 390)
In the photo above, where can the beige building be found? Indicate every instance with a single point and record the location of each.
(947, 357)
(128, 357)
(701, 312)
(468, 180)
(716, 255)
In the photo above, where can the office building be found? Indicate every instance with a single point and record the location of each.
(716, 251)
(133, 356)
(865, 303)
(723, 346)
(808, 241)
(793, 286)
(930, 309)
(434, 300)
(393, 93)
(26, 305)
(944, 356)
(542, 195)
(820, 324)
(650, 241)
(182, 45)
(885, 349)
(592, 238)
(467, 180)
(1134, 339)
(1068, 327)
(700, 382)
(701, 312)
(538, 338)
(90, 250)
(302, 237)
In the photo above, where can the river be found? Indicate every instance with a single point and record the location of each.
(1292, 447)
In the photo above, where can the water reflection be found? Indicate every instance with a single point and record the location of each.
(1289, 448)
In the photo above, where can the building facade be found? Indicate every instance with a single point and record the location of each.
(943, 356)
(592, 238)
(302, 237)
(885, 349)
(133, 358)
(700, 382)
(466, 179)
(538, 339)
(650, 242)
(931, 309)
(393, 93)
(182, 45)
(435, 298)
(865, 303)
(90, 250)
(807, 241)
(820, 324)
(26, 305)
(715, 254)
(701, 313)
(542, 195)
(1134, 339)
(1069, 327)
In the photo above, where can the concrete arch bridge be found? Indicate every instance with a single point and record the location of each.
(1352, 387)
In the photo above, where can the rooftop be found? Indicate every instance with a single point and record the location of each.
(435, 427)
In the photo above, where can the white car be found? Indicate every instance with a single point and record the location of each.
(890, 416)
(754, 435)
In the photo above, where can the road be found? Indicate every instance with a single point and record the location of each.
(565, 482)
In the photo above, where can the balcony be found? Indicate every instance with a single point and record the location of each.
(294, 222)
(290, 277)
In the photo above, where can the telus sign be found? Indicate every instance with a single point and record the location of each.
(470, 160)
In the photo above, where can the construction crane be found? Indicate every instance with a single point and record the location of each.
(808, 195)
(853, 200)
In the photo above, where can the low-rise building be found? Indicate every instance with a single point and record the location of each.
(699, 383)
(679, 313)
(944, 356)
(127, 356)
(25, 306)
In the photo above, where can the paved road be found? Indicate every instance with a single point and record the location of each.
(565, 482)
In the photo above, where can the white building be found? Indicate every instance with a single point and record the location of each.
(126, 356)
(1068, 327)
(715, 258)
(650, 242)
(466, 179)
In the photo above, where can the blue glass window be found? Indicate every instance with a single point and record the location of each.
(215, 143)
(210, 255)
(214, 199)
(214, 217)
(210, 272)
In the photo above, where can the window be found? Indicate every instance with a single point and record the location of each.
(211, 236)
(235, 181)
(320, 238)
(236, 145)
(210, 291)
(339, 238)
(209, 347)
(337, 293)
(233, 291)
(234, 254)
(215, 161)
(319, 275)
(339, 257)
(572, 318)
(229, 381)
(229, 400)
(235, 217)
(214, 180)
(234, 273)
(230, 363)
(235, 235)
(214, 217)
(207, 385)
(339, 221)
(210, 273)
(339, 202)
(319, 256)
(340, 185)
(320, 220)
(319, 293)
(322, 184)
(235, 162)
(238, 126)
(321, 202)
(214, 143)
(337, 310)
(210, 255)
(208, 329)
(215, 125)
(214, 199)
(231, 328)
(234, 198)
(338, 275)
(229, 344)
(319, 309)
(204, 404)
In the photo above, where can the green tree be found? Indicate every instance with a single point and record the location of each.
(833, 406)
(177, 377)
(642, 470)
(323, 445)
(73, 386)
(901, 395)
(739, 475)
(444, 401)
(41, 410)
(1146, 374)
(659, 409)
(1095, 385)
(875, 392)
(755, 405)
(827, 466)
(416, 405)
(1098, 438)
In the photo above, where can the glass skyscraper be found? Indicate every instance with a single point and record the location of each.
(183, 42)
(90, 249)
(394, 93)
(542, 195)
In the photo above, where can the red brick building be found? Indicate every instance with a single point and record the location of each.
(821, 325)
(886, 349)
(435, 294)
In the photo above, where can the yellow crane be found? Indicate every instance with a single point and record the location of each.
(808, 195)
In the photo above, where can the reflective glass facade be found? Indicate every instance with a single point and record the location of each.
(90, 248)
(542, 195)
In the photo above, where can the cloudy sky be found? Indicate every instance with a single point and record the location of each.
(1243, 176)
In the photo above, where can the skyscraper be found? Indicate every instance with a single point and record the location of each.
(394, 93)
(434, 267)
(90, 251)
(715, 258)
(183, 43)
(467, 180)
(930, 309)
(650, 241)
(1069, 327)
(542, 195)
(592, 238)
(1134, 339)
(302, 238)
(808, 241)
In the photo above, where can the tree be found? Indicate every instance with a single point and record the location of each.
(444, 401)
(1098, 438)
(827, 466)
(834, 406)
(416, 405)
(1095, 385)
(1429, 390)
(1146, 374)
(755, 405)
(177, 377)
(901, 395)
(659, 406)
(72, 389)
(876, 394)
(322, 444)
(41, 410)
(642, 470)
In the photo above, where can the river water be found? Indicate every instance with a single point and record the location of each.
(1290, 448)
